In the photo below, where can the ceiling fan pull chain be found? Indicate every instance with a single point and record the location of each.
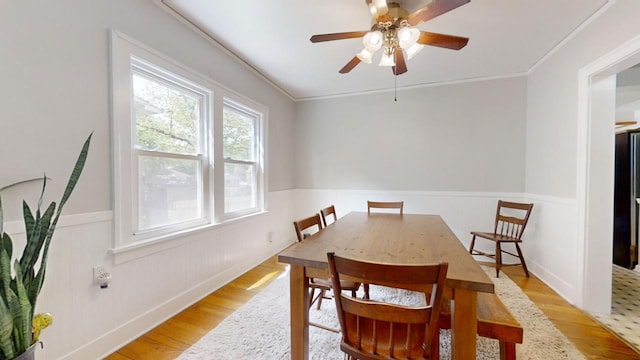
(395, 88)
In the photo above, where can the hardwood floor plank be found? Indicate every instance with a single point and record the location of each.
(174, 336)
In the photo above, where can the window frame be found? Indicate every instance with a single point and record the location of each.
(238, 106)
(202, 155)
(127, 245)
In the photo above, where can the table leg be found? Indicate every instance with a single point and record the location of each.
(298, 285)
(463, 324)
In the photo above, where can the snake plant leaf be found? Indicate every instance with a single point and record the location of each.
(23, 313)
(5, 264)
(75, 174)
(6, 244)
(6, 315)
(6, 329)
(36, 237)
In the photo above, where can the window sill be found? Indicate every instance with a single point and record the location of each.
(133, 251)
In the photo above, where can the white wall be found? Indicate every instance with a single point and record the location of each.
(55, 73)
(460, 137)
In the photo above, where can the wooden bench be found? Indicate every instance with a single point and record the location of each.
(494, 321)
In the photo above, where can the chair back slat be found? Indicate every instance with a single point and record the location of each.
(512, 218)
(385, 205)
(306, 223)
(326, 212)
(381, 330)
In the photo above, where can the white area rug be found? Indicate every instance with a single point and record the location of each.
(260, 329)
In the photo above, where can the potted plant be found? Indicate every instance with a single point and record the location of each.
(19, 288)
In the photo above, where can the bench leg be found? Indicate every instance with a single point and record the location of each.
(507, 351)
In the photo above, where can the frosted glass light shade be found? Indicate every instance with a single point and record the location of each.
(372, 41)
(407, 36)
(365, 56)
(387, 59)
(413, 50)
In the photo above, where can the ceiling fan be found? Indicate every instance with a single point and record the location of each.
(394, 30)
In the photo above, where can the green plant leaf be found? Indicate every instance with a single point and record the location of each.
(22, 313)
(6, 329)
(35, 238)
(75, 174)
(6, 316)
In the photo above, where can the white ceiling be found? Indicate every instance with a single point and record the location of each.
(507, 37)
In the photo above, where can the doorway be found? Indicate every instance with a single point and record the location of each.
(596, 118)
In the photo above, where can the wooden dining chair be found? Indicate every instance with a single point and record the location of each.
(380, 330)
(511, 220)
(385, 205)
(326, 212)
(323, 286)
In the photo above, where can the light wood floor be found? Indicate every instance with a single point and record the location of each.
(177, 334)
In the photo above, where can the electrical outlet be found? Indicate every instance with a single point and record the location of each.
(101, 277)
(99, 272)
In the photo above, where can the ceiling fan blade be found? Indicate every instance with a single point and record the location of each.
(350, 65)
(441, 40)
(437, 8)
(401, 65)
(337, 36)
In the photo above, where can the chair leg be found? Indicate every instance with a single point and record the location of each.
(473, 243)
(366, 291)
(320, 297)
(435, 346)
(524, 265)
(312, 292)
(498, 258)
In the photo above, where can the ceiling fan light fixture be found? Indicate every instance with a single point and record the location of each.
(413, 50)
(372, 40)
(365, 56)
(408, 36)
(387, 58)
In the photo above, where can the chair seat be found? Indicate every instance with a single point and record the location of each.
(495, 237)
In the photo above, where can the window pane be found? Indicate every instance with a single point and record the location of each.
(238, 135)
(167, 117)
(170, 191)
(239, 187)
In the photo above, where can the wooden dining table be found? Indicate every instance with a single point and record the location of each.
(388, 238)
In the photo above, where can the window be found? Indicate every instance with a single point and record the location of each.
(168, 139)
(169, 150)
(241, 130)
